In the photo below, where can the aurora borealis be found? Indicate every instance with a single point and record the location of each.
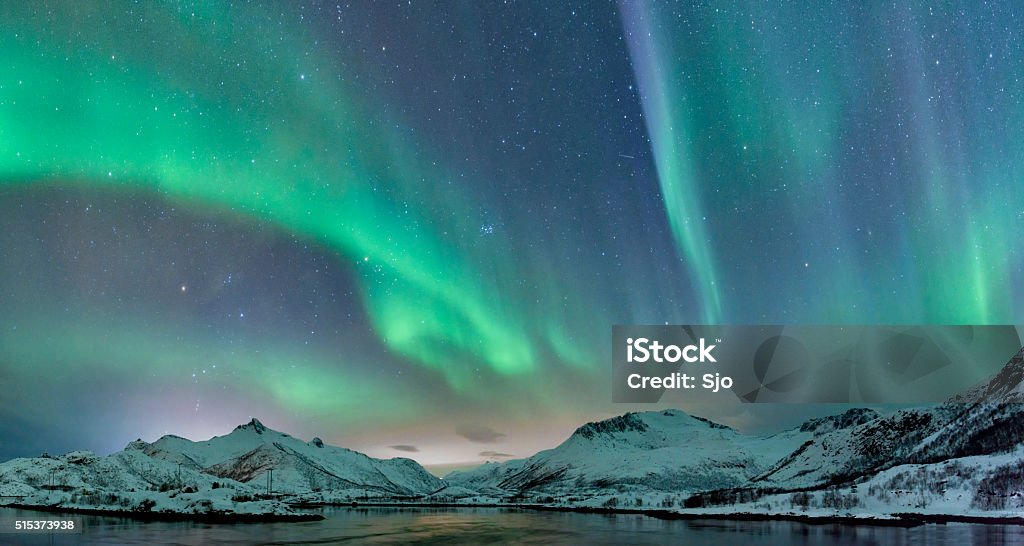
(384, 223)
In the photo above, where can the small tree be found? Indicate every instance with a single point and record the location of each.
(801, 499)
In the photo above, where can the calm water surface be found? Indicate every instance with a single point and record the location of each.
(498, 526)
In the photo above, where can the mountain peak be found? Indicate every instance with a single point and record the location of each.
(643, 421)
(255, 425)
(138, 445)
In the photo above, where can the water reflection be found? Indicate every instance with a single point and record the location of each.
(497, 526)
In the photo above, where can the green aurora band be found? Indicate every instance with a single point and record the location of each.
(670, 135)
(196, 131)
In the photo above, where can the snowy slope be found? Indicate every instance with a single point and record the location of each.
(986, 486)
(127, 481)
(848, 453)
(252, 450)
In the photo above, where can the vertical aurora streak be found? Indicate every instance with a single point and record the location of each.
(849, 149)
(669, 134)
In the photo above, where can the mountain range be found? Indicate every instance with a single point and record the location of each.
(965, 456)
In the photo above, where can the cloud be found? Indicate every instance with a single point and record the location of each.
(496, 454)
(405, 447)
(475, 432)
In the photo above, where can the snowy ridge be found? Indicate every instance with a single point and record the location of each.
(650, 451)
(128, 481)
(851, 418)
(252, 450)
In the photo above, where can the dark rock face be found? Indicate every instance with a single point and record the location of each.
(255, 425)
(622, 423)
(851, 418)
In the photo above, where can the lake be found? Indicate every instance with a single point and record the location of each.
(495, 525)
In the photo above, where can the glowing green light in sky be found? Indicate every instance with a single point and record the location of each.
(670, 135)
(266, 143)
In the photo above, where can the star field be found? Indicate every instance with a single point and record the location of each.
(377, 222)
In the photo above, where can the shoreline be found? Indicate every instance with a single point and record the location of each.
(213, 517)
(901, 519)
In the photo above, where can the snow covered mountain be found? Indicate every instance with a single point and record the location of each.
(965, 453)
(986, 419)
(225, 477)
(131, 482)
(252, 450)
(649, 451)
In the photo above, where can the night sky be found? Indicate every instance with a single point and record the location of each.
(408, 227)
